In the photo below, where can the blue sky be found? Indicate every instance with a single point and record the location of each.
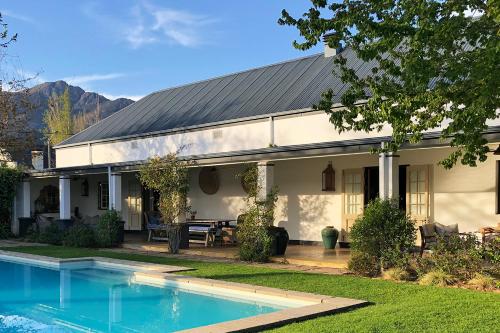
(133, 47)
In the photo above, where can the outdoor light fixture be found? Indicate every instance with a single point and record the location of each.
(328, 178)
(85, 188)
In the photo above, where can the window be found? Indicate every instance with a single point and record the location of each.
(103, 196)
(418, 192)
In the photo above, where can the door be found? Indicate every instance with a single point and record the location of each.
(134, 202)
(353, 200)
(417, 193)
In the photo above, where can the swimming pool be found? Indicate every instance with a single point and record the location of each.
(76, 296)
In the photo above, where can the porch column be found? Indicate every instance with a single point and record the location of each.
(64, 197)
(265, 179)
(388, 176)
(25, 199)
(21, 205)
(115, 191)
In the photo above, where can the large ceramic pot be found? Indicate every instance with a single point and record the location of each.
(329, 235)
(280, 239)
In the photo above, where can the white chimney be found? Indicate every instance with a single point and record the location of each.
(37, 159)
(329, 51)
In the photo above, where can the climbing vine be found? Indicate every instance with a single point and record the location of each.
(9, 178)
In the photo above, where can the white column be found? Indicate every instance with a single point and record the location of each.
(26, 199)
(64, 197)
(265, 181)
(115, 191)
(388, 176)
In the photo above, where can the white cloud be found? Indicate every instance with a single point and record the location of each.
(16, 16)
(113, 97)
(148, 24)
(85, 80)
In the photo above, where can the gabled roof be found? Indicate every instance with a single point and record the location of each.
(286, 86)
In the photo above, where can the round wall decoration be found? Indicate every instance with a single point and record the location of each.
(209, 180)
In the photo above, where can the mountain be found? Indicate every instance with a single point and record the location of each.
(82, 101)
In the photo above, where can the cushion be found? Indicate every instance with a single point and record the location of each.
(199, 228)
(429, 229)
(446, 230)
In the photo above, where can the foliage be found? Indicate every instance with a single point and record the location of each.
(384, 232)
(435, 63)
(57, 118)
(9, 179)
(458, 256)
(253, 235)
(491, 253)
(5, 231)
(364, 264)
(80, 235)
(437, 278)
(51, 235)
(108, 229)
(482, 282)
(397, 274)
(15, 107)
(32, 234)
(169, 176)
(394, 306)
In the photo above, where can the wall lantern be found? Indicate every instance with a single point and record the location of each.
(328, 179)
(85, 188)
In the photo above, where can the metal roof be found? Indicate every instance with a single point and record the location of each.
(290, 85)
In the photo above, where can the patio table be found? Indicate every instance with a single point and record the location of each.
(209, 228)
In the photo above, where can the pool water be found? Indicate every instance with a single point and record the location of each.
(39, 299)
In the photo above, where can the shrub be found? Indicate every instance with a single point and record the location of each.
(5, 231)
(437, 278)
(482, 282)
(491, 253)
(108, 229)
(32, 234)
(397, 274)
(51, 235)
(364, 264)
(253, 234)
(385, 233)
(80, 235)
(458, 256)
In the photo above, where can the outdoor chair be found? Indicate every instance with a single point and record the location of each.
(154, 225)
(430, 232)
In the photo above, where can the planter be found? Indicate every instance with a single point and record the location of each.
(184, 244)
(280, 238)
(120, 237)
(329, 235)
(24, 224)
(344, 245)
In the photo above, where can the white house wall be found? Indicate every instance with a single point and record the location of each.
(462, 195)
(223, 139)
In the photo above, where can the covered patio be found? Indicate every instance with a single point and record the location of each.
(300, 255)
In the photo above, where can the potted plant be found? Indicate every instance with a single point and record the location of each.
(169, 176)
(329, 235)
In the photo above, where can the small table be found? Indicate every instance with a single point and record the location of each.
(489, 232)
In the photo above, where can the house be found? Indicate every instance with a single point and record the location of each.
(263, 116)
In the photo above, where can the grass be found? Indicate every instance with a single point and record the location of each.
(397, 307)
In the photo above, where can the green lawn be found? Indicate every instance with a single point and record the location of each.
(397, 307)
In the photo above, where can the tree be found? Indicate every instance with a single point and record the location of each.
(169, 176)
(15, 108)
(436, 63)
(57, 118)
